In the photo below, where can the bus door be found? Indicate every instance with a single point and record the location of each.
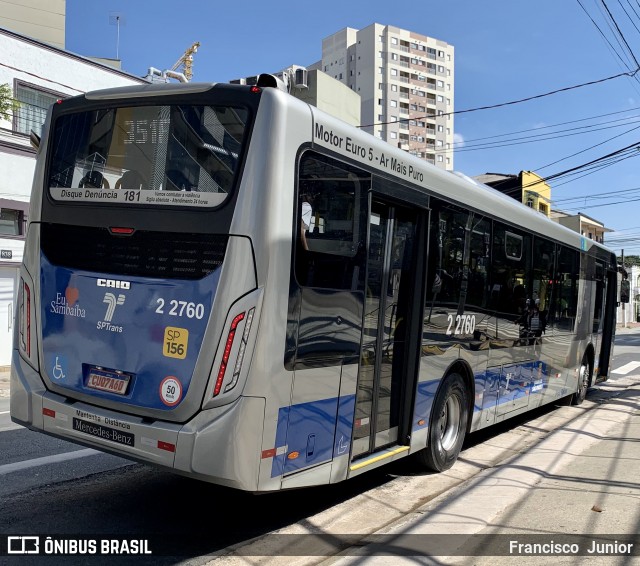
(598, 299)
(609, 325)
(385, 377)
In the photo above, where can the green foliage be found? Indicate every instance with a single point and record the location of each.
(630, 260)
(7, 103)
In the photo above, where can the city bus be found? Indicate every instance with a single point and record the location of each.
(228, 283)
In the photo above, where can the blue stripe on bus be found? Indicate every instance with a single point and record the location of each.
(318, 431)
(526, 378)
(321, 430)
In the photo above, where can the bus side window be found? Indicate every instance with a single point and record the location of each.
(330, 223)
(566, 294)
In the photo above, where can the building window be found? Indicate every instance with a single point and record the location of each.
(440, 158)
(32, 111)
(10, 222)
(393, 103)
(394, 41)
(394, 88)
(393, 135)
(394, 72)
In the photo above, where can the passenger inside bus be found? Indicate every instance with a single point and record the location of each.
(94, 180)
(307, 220)
(130, 180)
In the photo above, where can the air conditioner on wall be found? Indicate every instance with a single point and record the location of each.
(301, 78)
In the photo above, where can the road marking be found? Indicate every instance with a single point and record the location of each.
(55, 459)
(627, 368)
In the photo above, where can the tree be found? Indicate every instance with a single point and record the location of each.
(7, 103)
(631, 259)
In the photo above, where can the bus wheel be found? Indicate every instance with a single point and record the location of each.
(584, 382)
(448, 425)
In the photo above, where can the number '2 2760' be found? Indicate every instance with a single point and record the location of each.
(181, 308)
(464, 324)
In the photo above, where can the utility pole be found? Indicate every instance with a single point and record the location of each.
(624, 305)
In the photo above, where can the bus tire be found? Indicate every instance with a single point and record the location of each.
(448, 425)
(584, 381)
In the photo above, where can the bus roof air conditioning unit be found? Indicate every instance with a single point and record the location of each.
(301, 78)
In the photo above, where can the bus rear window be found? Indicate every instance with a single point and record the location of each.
(166, 155)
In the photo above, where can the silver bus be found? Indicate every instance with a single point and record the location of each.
(226, 282)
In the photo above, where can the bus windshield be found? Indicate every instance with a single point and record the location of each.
(166, 155)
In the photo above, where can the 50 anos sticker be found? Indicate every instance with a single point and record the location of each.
(181, 308)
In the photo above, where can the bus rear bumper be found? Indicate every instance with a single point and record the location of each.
(215, 446)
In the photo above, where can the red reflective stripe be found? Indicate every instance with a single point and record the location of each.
(48, 412)
(26, 287)
(166, 446)
(269, 453)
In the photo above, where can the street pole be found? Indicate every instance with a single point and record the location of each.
(624, 305)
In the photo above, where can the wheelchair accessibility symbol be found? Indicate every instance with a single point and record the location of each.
(59, 367)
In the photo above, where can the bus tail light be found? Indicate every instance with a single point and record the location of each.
(227, 352)
(24, 319)
(241, 351)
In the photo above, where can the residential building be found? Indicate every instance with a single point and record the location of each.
(526, 187)
(39, 74)
(406, 85)
(43, 20)
(581, 223)
(629, 313)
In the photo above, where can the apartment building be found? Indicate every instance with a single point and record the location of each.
(406, 85)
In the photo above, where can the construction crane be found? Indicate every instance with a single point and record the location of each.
(187, 61)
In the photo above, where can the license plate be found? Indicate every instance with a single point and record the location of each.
(108, 381)
(104, 432)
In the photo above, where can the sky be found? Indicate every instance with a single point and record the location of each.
(574, 59)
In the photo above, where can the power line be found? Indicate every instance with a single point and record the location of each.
(511, 102)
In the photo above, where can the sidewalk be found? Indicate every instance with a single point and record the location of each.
(578, 486)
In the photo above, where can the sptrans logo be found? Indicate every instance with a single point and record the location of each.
(112, 303)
